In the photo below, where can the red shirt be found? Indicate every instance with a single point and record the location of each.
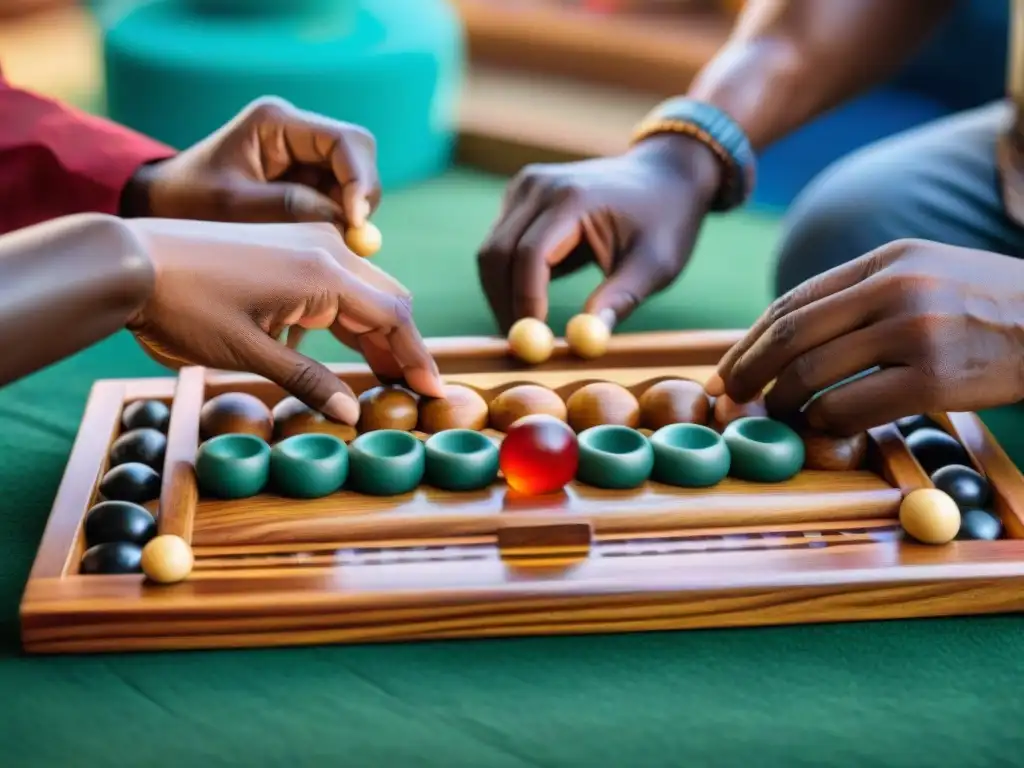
(56, 160)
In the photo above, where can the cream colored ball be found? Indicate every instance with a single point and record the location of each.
(167, 559)
(364, 241)
(531, 341)
(587, 336)
(930, 516)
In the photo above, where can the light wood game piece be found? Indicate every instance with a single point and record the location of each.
(602, 402)
(460, 408)
(676, 401)
(364, 241)
(834, 454)
(236, 413)
(293, 417)
(525, 400)
(587, 336)
(388, 408)
(726, 411)
(531, 340)
(930, 516)
(167, 559)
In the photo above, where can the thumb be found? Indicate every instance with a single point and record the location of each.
(281, 202)
(355, 203)
(300, 376)
(629, 285)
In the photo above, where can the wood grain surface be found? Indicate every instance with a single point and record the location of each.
(825, 546)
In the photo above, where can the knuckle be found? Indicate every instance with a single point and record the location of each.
(528, 176)
(924, 332)
(310, 264)
(268, 108)
(904, 246)
(402, 310)
(489, 255)
(567, 193)
(303, 378)
(780, 307)
(783, 332)
(362, 136)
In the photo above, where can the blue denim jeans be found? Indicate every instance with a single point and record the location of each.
(936, 182)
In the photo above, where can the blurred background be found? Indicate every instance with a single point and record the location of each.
(461, 93)
(584, 69)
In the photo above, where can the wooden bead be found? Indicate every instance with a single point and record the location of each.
(167, 559)
(525, 400)
(294, 417)
(930, 516)
(727, 411)
(388, 408)
(602, 402)
(587, 336)
(236, 413)
(531, 341)
(834, 454)
(460, 408)
(677, 401)
(364, 241)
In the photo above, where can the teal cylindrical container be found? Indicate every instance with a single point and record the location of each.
(177, 70)
(232, 466)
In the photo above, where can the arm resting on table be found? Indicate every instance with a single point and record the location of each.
(65, 285)
(56, 161)
(788, 61)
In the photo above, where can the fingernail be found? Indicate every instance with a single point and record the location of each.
(607, 316)
(714, 386)
(342, 408)
(360, 212)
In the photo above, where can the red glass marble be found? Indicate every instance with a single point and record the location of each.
(539, 454)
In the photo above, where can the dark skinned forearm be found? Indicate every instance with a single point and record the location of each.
(65, 285)
(788, 61)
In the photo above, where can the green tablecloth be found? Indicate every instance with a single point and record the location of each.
(927, 693)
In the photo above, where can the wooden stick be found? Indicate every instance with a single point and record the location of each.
(180, 492)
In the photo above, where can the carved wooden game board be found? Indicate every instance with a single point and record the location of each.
(824, 546)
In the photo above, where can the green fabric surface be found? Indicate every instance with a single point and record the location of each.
(898, 694)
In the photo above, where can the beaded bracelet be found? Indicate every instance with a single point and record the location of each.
(717, 131)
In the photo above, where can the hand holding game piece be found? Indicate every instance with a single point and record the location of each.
(272, 163)
(911, 327)
(224, 293)
(636, 215)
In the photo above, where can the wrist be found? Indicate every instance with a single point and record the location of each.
(706, 124)
(686, 157)
(140, 268)
(136, 197)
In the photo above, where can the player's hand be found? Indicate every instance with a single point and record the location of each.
(272, 163)
(636, 215)
(225, 294)
(935, 327)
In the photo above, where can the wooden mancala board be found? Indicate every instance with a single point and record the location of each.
(822, 547)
